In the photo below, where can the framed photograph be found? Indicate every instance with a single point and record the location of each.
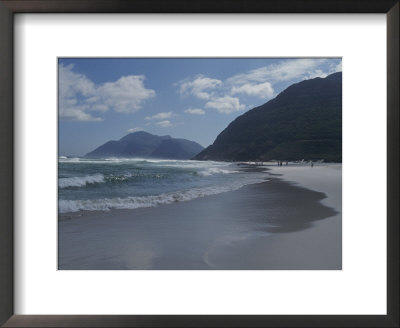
(217, 164)
(166, 172)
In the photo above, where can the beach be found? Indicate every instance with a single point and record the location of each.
(316, 247)
(292, 221)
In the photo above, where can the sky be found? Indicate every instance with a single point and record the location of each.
(102, 99)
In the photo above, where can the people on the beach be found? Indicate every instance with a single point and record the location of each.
(312, 164)
(280, 163)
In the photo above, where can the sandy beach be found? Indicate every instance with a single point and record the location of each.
(290, 221)
(317, 247)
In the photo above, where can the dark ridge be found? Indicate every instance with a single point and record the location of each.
(302, 122)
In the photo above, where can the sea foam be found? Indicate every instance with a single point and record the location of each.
(215, 170)
(80, 181)
(106, 204)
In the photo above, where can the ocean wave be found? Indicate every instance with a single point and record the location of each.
(80, 181)
(189, 163)
(106, 204)
(64, 159)
(208, 166)
(215, 170)
(108, 160)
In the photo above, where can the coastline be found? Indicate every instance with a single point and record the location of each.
(316, 248)
(272, 225)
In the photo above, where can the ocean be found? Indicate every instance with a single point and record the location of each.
(103, 184)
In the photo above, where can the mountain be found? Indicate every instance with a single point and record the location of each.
(302, 122)
(146, 145)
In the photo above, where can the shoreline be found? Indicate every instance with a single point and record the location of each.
(269, 225)
(322, 242)
(82, 213)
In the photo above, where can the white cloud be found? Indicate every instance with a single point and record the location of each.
(333, 68)
(284, 71)
(225, 96)
(159, 116)
(79, 96)
(225, 104)
(78, 114)
(316, 73)
(261, 90)
(195, 111)
(199, 86)
(134, 130)
(125, 95)
(71, 88)
(164, 124)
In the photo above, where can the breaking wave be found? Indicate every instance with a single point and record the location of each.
(215, 170)
(80, 181)
(107, 204)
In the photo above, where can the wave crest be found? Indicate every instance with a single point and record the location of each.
(215, 170)
(80, 181)
(106, 204)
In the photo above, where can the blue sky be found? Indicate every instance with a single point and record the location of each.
(102, 99)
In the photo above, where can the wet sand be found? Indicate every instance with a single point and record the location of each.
(271, 225)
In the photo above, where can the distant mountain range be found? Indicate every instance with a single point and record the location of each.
(302, 122)
(146, 145)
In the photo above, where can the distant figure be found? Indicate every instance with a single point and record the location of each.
(312, 164)
(287, 163)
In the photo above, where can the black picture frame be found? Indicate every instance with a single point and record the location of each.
(10, 7)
